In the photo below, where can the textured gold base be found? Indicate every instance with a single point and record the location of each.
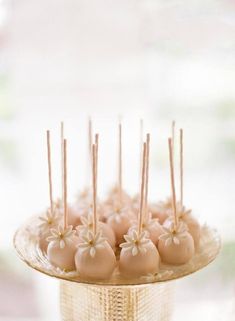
(82, 302)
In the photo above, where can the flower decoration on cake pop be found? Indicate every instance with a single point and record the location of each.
(62, 236)
(87, 224)
(50, 219)
(174, 234)
(117, 212)
(181, 212)
(135, 242)
(147, 224)
(91, 242)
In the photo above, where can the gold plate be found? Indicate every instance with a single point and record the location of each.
(26, 242)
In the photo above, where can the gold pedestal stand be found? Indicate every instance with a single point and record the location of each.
(85, 302)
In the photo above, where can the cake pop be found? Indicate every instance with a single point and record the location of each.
(104, 229)
(176, 245)
(49, 220)
(63, 241)
(94, 258)
(53, 216)
(151, 226)
(139, 256)
(185, 215)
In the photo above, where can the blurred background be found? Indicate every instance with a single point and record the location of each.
(152, 59)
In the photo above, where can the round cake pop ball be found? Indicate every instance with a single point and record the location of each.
(95, 259)
(120, 221)
(73, 214)
(193, 226)
(176, 246)
(159, 212)
(62, 248)
(138, 257)
(152, 229)
(48, 221)
(105, 229)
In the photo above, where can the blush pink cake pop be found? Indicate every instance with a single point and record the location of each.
(190, 221)
(63, 242)
(47, 222)
(94, 259)
(119, 219)
(53, 215)
(139, 256)
(103, 228)
(176, 246)
(160, 211)
(152, 229)
(62, 248)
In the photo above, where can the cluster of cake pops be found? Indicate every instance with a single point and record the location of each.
(122, 233)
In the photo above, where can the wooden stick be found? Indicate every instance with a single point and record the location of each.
(62, 160)
(96, 170)
(94, 187)
(172, 183)
(147, 178)
(65, 186)
(120, 163)
(141, 145)
(142, 190)
(181, 168)
(90, 138)
(49, 169)
(173, 138)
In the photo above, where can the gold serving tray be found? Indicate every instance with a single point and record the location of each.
(26, 242)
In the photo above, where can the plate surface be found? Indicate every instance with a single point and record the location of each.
(26, 242)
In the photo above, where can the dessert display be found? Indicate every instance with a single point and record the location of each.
(120, 239)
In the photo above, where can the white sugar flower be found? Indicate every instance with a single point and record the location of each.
(62, 236)
(135, 242)
(117, 213)
(92, 242)
(50, 219)
(87, 224)
(181, 212)
(174, 235)
(147, 225)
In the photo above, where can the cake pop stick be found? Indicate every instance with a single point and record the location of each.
(94, 164)
(173, 137)
(181, 168)
(120, 161)
(65, 185)
(141, 144)
(140, 218)
(172, 182)
(90, 138)
(146, 214)
(49, 169)
(62, 159)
